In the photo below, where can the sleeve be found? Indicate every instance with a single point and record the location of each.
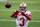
(28, 14)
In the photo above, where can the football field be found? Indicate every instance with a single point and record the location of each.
(7, 21)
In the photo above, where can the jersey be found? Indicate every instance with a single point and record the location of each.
(21, 20)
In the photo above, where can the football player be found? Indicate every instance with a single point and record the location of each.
(22, 15)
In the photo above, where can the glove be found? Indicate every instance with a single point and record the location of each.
(14, 14)
(17, 12)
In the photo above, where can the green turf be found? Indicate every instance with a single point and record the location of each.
(15, 6)
(6, 15)
(13, 24)
(32, 6)
(34, 24)
(7, 24)
(23, 0)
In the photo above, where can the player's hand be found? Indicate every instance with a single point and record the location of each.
(17, 11)
(13, 14)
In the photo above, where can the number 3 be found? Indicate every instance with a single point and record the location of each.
(22, 21)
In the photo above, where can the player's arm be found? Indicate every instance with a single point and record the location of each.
(27, 16)
(14, 14)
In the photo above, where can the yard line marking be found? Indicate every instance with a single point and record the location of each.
(15, 20)
(22, 1)
(15, 10)
(7, 10)
(6, 20)
(34, 21)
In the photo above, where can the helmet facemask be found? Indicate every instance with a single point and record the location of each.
(22, 8)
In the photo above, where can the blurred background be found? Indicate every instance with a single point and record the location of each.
(7, 21)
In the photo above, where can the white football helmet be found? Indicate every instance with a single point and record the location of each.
(23, 7)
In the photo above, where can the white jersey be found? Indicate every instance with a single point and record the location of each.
(21, 20)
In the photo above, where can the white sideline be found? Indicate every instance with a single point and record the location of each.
(22, 1)
(15, 10)
(2, 0)
(15, 20)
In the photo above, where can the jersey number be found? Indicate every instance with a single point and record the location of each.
(22, 21)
